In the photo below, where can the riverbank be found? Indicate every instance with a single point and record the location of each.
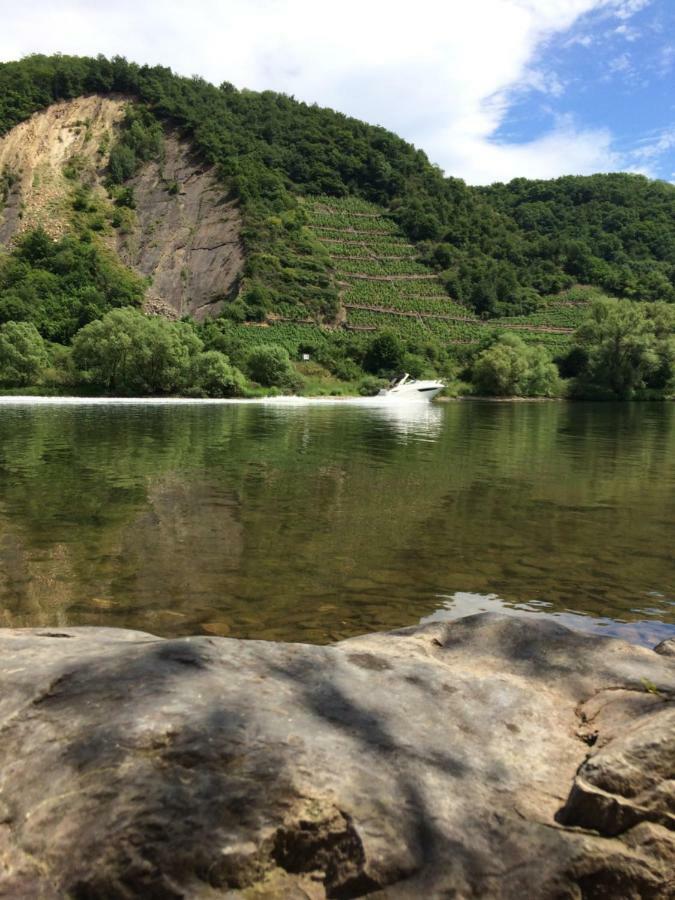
(36, 395)
(487, 757)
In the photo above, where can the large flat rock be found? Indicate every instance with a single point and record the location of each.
(490, 757)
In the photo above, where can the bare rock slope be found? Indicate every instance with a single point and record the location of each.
(491, 757)
(185, 234)
(187, 237)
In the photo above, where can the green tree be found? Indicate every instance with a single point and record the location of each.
(385, 355)
(128, 352)
(211, 375)
(627, 348)
(271, 366)
(62, 285)
(512, 368)
(23, 356)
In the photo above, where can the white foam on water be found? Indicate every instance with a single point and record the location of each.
(191, 401)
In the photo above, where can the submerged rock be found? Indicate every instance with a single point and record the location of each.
(489, 757)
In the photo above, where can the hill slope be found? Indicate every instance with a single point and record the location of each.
(181, 231)
(271, 221)
(496, 249)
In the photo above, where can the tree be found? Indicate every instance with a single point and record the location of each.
(271, 366)
(211, 375)
(629, 347)
(129, 352)
(23, 356)
(385, 355)
(62, 285)
(510, 367)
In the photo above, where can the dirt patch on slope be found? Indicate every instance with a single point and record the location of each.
(36, 153)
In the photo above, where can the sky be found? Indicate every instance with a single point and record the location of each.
(490, 89)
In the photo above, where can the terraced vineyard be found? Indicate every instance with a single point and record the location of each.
(383, 284)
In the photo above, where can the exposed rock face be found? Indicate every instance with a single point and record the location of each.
(189, 241)
(490, 757)
(187, 234)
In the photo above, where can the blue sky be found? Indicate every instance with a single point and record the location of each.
(490, 89)
(606, 72)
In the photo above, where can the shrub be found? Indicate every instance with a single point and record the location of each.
(211, 375)
(270, 365)
(23, 356)
(385, 355)
(510, 367)
(370, 386)
(128, 352)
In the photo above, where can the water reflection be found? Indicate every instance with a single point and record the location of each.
(411, 420)
(318, 521)
(645, 632)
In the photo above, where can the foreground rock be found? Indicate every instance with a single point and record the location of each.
(491, 757)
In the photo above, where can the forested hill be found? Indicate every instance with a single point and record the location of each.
(497, 249)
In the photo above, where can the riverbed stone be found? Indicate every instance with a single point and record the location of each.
(491, 757)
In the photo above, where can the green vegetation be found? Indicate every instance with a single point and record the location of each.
(385, 355)
(392, 290)
(211, 375)
(270, 365)
(128, 353)
(498, 249)
(23, 356)
(141, 139)
(624, 350)
(62, 285)
(7, 182)
(359, 254)
(508, 368)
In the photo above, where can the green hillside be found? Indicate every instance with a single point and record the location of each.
(347, 232)
(384, 283)
(495, 248)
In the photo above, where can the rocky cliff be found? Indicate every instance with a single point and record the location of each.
(184, 234)
(491, 757)
(187, 236)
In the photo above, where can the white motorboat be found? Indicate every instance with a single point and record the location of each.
(406, 388)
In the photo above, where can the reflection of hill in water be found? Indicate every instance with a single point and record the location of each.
(315, 521)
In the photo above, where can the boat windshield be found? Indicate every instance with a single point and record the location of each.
(401, 380)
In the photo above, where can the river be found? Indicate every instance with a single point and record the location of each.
(315, 522)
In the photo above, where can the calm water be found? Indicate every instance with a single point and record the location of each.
(316, 522)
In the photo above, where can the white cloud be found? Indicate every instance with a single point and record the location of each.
(441, 73)
(583, 40)
(620, 63)
(628, 33)
(544, 81)
(655, 146)
(624, 9)
(563, 150)
(666, 60)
